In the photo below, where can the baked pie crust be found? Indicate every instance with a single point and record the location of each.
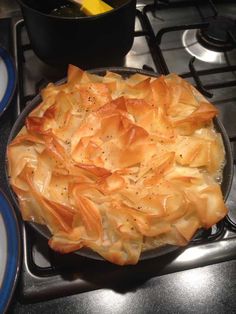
(119, 165)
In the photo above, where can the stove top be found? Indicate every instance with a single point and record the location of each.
(171, 36)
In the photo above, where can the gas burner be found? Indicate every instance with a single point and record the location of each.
(211, 44)
(219, 34)
(196, 49)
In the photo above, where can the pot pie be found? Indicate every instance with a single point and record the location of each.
(119, 165)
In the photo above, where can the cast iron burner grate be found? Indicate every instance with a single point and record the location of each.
(47, 274)
(190, 31)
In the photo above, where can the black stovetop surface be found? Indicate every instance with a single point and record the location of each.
(186, 280)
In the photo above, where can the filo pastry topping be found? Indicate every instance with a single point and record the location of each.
(119, 165)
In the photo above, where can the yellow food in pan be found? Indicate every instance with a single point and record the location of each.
(94, 7)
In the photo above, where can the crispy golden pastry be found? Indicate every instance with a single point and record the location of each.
(119, 165)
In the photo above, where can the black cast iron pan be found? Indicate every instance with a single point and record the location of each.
(125, 72)
(98, 40)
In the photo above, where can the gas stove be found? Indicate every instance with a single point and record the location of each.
(196, 40)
